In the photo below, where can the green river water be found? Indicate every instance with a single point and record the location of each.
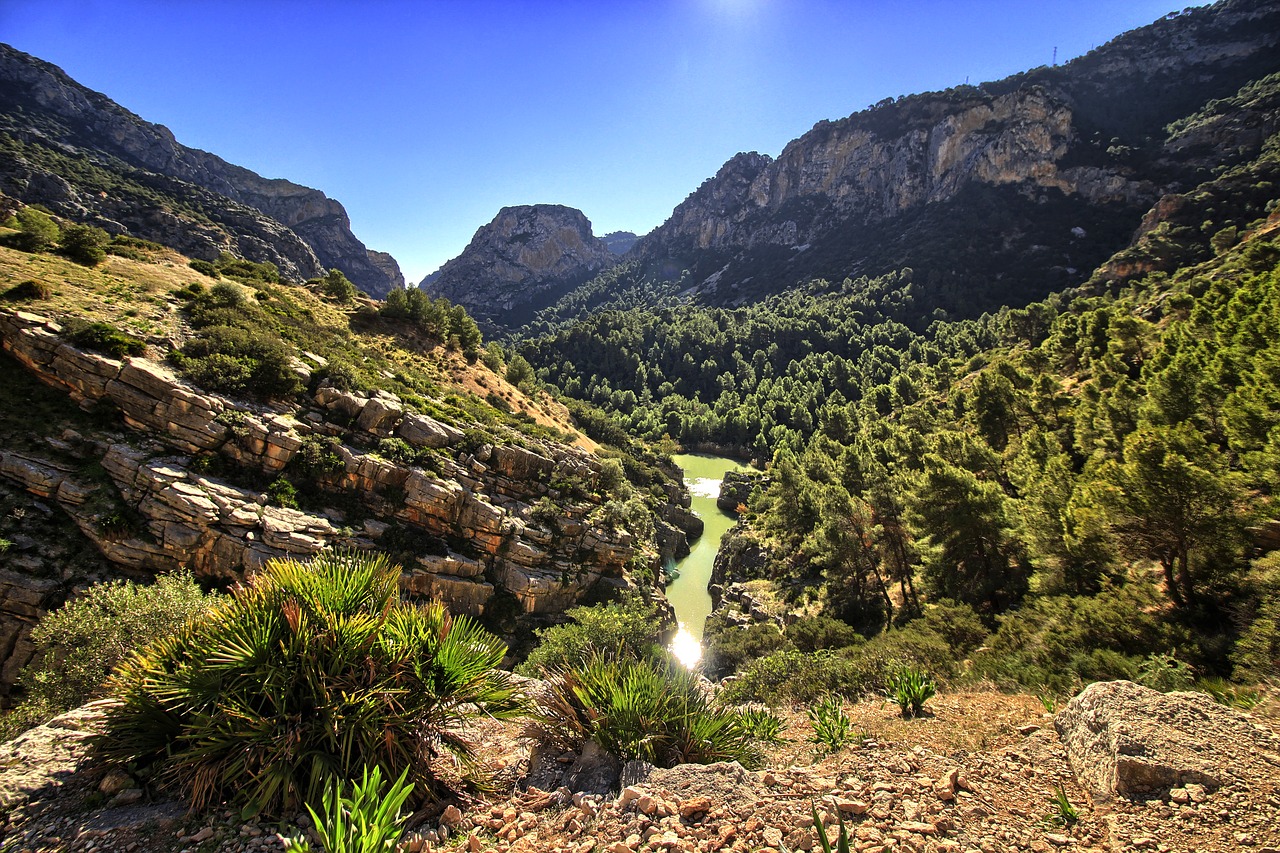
(688, 592)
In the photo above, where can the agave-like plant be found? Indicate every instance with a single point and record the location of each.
(653, 710)
(305, 674)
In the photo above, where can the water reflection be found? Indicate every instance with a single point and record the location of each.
(688, 592)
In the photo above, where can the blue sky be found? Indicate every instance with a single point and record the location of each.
(424, 118)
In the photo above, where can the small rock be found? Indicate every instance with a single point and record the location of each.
(854, 807)
(451, 818)
(114, 782)
(695, 806)
(203, 835)
(1027, 731)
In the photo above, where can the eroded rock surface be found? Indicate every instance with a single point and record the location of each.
(1131, 741)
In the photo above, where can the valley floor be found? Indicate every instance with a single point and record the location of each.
(979, 773)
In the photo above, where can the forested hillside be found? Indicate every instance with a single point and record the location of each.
(1086, 480)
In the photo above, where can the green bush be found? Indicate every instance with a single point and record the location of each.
(239, 361)
(103, 337)
(832, 728)
(338, 287)
(307, 673)
(318, 456)
(366, 821)
(204, 268)
(37, 232)
(792, 676)
(85, 244)
(910, 688)
(728, 648)
(822, 632)
(650, 709)
(628, 628)
(28, 291)
(79, 644)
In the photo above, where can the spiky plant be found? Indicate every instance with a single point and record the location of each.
(653, 710)
(910, 688)
(307, 673)
(832, 728)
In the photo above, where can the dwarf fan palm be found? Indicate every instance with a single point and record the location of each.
(307, 673)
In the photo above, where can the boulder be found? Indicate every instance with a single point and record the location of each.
(1126, 740)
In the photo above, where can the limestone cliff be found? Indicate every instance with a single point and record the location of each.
(521, 261)
(1052, 168)
(86, 157)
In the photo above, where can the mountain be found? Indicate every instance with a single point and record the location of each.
(993, 194)
(528, 256)
(85, 157)
(620, 242)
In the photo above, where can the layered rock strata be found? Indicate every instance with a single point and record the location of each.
(468, 524)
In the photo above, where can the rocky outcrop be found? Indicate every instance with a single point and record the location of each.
(160, 189)
(736, 488)
(1130, 741)
(521, 261)
(461, 520)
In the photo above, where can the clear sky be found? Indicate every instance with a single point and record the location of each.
(424, 117)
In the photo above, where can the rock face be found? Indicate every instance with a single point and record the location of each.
(135, 178)
(521, 261)
(1010, 166)
(736, 488)
(464, 527)
(1127, 740)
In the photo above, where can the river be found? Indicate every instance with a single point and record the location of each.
(688, 592)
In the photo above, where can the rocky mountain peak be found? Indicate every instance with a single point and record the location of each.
(522, 260)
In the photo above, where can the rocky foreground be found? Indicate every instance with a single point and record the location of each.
(1144, 771)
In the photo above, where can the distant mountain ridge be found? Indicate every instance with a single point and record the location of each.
(1036, 155)
(84, 156)
(993, 195)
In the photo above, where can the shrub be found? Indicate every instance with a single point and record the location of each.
(85, 244)
(1165, 673)
(910, 688)
(282, 493)
(628, 628)
(239, 361)
(651, 709)
(832, 728)
(822, 632)
(204, 268)
(37, 232)
(304, 675)
(319, 456)
(29, 290)
(367, 821)
(79, 644)
(105, 338)
(789, 675)
(729, 648)
(338, 287)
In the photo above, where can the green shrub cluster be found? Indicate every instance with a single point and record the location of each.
(651, 709)
(29, 291)
(628, 628)
(103, 337)
(305, 675)
(84, 244)
(337, 287)
(437, 317)
(79, 644)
